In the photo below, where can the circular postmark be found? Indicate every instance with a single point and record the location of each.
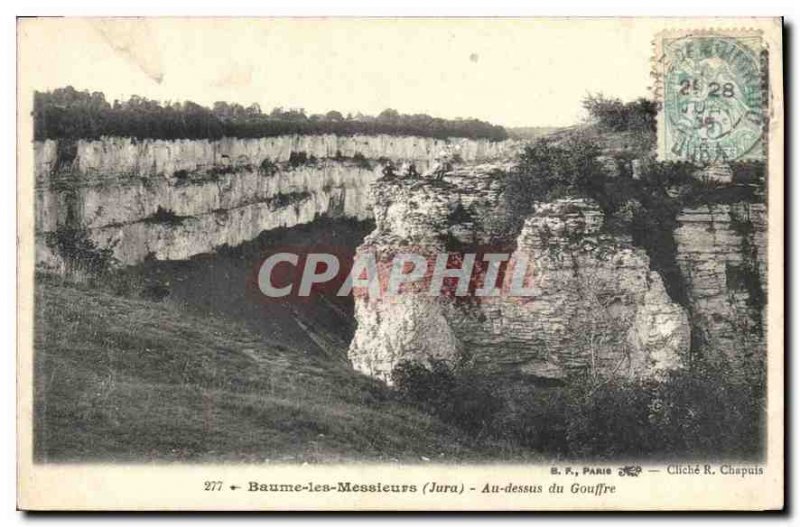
(713, 101)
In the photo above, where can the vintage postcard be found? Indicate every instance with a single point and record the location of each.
(365, 264)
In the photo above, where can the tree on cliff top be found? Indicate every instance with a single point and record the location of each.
(548, 170)
(67, 113)
(612, 114)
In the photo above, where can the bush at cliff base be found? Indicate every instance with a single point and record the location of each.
(708, 411)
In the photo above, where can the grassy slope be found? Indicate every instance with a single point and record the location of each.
(133, 380)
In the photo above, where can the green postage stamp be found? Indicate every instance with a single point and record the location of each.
(712, 92)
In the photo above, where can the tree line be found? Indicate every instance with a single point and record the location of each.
(66, 113)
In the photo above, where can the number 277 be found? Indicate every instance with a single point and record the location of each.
(212, 485)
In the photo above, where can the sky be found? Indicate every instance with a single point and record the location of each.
(513, 72)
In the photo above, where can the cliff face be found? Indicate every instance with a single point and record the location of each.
(721, 251)
(115, 155)
(174, 199)
(130, 214)
(595, 304)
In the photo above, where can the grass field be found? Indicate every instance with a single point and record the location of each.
(134, 380)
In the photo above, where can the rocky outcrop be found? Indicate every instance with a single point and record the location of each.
(594, 303)
(175, 199)
(721, 251)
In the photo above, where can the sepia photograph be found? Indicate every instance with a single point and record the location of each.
(514, 263)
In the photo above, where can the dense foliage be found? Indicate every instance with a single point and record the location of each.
(567, 164)
(459, 394)
(616, 116)
(68, 113)
(82, 257)
(547, 170)
(709, 410)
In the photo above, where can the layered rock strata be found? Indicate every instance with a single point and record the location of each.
(595, 304)
(174, 199)
(721, 251)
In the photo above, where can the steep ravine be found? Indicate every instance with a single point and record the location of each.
(222, 285)
(169, 200)
(194, 219)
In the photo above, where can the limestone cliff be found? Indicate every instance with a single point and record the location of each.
(119, 155)
(596, 305)
(721, 251)
(175, 199)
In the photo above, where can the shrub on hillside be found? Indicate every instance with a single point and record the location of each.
(613, 115)
(458, 394)
(709, 410)
(547, 170)
(80, 253)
